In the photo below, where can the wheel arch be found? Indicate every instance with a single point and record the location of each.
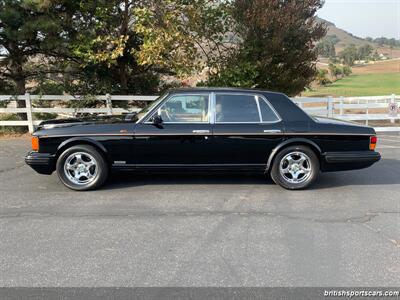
(82, 141)
(290, 142)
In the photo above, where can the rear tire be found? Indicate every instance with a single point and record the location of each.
(295, 167)
(82, 168)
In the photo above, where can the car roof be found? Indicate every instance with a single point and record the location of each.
(220, 89)
(285, 107)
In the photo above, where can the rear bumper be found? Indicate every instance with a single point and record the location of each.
(351, 160)
(42, 163)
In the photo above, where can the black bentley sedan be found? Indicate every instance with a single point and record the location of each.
(204, 129)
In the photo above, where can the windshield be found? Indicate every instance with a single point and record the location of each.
(149, 107)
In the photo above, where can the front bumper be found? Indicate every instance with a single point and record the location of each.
(350, 160)
(42, 163)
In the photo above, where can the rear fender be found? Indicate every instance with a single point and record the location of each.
(289, 142)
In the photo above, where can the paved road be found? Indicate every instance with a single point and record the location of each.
(200, 230)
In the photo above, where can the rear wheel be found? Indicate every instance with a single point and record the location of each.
(82, 168)
(295, 167)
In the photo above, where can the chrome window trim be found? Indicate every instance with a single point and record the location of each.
(256, 98)
(152, 112)
(212, 110)
(259, 108)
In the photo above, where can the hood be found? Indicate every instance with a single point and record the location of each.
(90, 120)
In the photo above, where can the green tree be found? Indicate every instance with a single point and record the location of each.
(349, 55)
(347, 70)
(364, 52)
(182, 35)
(277, 45)
(32, 29)
(103, 48)
(335, 71)
(326, 48)
(126, 46)
(322, 78)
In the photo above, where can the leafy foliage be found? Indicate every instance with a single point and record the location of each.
(145, 46)
(382, 41)
(337, 71)
(326, 47)
(322, 77)
(278, 39)
(350, 54)
(32, 33)
(182, 35)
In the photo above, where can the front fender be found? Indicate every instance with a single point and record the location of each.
(85, 140)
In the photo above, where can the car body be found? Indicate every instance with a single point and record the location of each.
(205, 129)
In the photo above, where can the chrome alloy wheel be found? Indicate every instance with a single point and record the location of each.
(295, 167)
(80, 168)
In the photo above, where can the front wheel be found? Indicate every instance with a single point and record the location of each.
(82, 168)
(295, 167)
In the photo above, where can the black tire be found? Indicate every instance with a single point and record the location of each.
(101, 168)
(284, 180)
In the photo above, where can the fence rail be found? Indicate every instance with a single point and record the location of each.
(350, 108)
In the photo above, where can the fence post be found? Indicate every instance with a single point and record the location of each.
(109, 104)
(341, 105)
(29, 116)
(330, 106)
(393, 100)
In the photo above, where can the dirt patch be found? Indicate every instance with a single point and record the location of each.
(390, 66)
(25, 136)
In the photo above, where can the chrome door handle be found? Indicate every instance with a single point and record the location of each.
(272, 131)
(201, 131)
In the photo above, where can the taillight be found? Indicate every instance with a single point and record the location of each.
(35, 143)
(372, 142)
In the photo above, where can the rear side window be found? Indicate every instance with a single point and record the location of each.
(267, 114)
(236, 109)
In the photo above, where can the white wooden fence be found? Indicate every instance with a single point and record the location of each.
(29, 109)
(369, 108)
(353, 108)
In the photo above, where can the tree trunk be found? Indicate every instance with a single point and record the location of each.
(122, 61)
(20, 82)
(123, 76)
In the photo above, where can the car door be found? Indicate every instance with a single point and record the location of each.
(182, 138)
(246, 130)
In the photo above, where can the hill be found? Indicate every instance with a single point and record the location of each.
(345, 38)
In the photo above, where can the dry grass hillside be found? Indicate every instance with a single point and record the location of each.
(346, 39)
(379, 67)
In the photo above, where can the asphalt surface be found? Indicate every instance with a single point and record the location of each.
(197, 230)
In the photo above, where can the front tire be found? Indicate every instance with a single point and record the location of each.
(82, 168)
(295, 167)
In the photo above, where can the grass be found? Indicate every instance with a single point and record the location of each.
(360, 85)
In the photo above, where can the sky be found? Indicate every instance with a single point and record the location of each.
(374, 18)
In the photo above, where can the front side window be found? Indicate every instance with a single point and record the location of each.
(236, 109)
(185, 109)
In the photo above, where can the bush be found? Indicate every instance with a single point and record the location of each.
(322, 77)
(347, 70)
(335, 71)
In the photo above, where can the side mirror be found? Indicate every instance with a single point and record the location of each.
(157, 120)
